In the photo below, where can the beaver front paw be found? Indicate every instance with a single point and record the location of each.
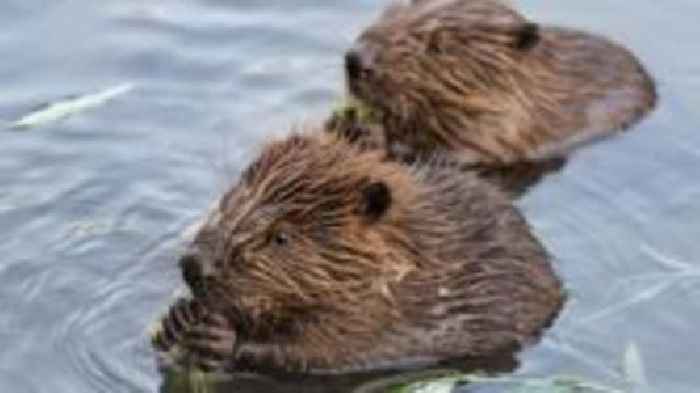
(175, 325)
(188, 337)
(210, 344)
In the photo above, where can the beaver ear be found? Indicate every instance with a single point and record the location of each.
(527, 36)
(376, 200)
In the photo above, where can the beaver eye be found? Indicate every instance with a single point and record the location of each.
(432, 44)
(434, 47)
(280, 239)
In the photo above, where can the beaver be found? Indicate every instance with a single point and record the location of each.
(477, 79)
(329, 258)
(514, 178)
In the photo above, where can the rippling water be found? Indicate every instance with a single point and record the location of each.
(92, 207)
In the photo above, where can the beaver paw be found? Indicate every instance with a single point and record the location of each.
(173, 327)
(210, 344)
(188, 337)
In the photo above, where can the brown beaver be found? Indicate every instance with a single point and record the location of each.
(475, 78)
(326, 257)
(514, 178)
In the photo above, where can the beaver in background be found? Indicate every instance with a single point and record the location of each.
(476, 79)
(328, 258)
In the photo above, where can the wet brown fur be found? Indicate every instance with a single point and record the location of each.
(513, 178)
(326, 257)
(475, 78)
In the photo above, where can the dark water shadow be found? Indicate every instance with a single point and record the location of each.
(360, 382)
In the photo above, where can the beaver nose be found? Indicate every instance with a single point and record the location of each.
(353, 64)
(191, 271)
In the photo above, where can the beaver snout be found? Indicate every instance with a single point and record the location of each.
(353, 65)
(358, 65)
(192, 273)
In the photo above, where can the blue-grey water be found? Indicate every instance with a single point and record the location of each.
(92, 207)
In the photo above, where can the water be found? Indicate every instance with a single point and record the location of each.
(92, 207)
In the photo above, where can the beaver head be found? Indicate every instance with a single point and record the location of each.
(476, 77)
(326, 256)
(310, 225)
(413, 42)
(453, 57)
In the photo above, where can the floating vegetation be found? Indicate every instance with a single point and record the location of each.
(58, 110)
(475, 383)
(632, 380)
(192, 382)
(352, 109)
(632, 367)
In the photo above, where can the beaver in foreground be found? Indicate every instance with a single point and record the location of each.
(477, 79)
(328, 258)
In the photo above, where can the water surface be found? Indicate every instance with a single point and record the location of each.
(92, 207)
